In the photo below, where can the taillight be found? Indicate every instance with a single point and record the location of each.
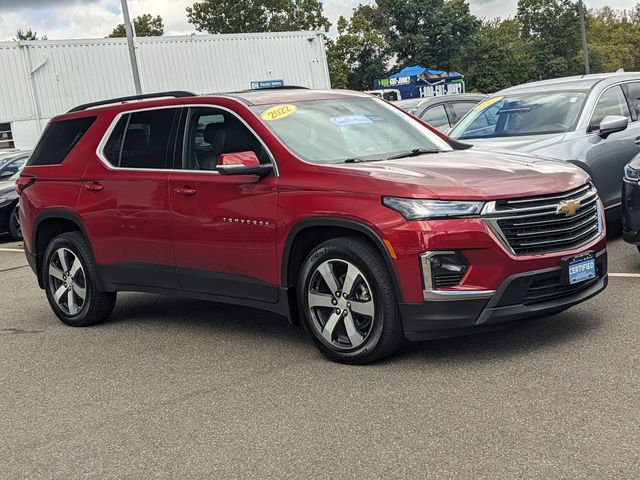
(23, 182)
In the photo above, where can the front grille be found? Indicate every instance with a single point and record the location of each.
(533, 225)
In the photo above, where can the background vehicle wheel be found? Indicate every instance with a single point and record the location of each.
(14, 225)
(347, 302)
(70, 282)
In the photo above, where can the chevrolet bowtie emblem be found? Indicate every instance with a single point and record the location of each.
(568, 208)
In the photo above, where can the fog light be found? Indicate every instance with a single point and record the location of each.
(442, 269)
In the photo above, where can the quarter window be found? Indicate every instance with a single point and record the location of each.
(58, 139)
(140, 139)
(612, 102)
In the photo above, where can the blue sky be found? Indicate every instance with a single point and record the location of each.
(60, 19)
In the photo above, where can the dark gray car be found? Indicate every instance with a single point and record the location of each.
(441, 112)
(589, 120)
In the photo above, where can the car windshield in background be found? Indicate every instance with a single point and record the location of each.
(523, 114)
(360, 129)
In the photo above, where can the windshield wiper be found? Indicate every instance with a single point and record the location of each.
(414, 153)
(361, 160)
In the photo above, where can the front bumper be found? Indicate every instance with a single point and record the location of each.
(523, 295)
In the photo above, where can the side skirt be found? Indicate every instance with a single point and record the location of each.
(196, 284)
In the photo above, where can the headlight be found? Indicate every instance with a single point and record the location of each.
(418, 209)
(631, 174)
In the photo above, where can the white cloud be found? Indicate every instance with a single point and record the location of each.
(60, 19)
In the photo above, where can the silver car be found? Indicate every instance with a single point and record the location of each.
(590, 120)
(441, 112)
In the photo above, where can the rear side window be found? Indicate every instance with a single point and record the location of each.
(58, 139)
(140, 139)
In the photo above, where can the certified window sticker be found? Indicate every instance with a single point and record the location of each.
(346, 120)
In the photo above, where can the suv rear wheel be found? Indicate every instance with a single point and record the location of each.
(70, 280)
(347, 302)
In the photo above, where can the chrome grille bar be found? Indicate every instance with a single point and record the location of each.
(530, 226)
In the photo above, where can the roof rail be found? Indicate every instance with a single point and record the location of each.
(175, 94)
(284, 87)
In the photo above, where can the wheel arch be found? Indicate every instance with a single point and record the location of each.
(48, 225)
(308, 233)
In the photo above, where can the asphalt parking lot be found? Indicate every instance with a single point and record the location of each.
(175, 388)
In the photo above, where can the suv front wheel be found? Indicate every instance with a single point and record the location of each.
(71, 282)
(347, 302)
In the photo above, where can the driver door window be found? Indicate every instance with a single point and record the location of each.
(611, 102)
(436, 117)
(210, 132)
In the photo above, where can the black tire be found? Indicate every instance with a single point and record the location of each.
(96, 306)
(14, 225)
(381, 334)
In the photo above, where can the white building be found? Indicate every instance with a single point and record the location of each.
(40, 79)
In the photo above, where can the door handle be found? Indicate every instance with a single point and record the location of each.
(637, 140)
(185, 191)
(93, 187)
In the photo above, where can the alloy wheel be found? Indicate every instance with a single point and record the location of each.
(341, 304)
(67, 281)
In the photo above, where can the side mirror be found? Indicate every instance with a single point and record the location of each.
(242, 163)
(612, 124)
(4, 175)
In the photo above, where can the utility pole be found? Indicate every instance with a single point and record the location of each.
(132, 48)
(583, 31)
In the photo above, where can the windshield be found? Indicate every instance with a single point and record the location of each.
(337, 130)
(523, 114)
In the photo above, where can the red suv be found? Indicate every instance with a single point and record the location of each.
(333, 208)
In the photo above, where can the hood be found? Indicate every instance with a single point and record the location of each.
(527, 143)
(473, 174)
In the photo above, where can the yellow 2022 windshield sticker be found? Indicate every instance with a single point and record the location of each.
(278, 112)
(487, 103)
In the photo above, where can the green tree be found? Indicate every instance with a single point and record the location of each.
(245, 16)
(431, 33)
(28, 34)
(614, 39)
(552, 29)
(358, 55)
(498, 58)
(146, 25)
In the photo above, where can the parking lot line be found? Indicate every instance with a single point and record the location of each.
(13, 268)
(628, 275)
(11, 250)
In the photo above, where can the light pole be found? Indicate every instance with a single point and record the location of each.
(132, 48)
(583, 32)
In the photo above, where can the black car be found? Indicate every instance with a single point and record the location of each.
(631, 202)
(10, 165)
